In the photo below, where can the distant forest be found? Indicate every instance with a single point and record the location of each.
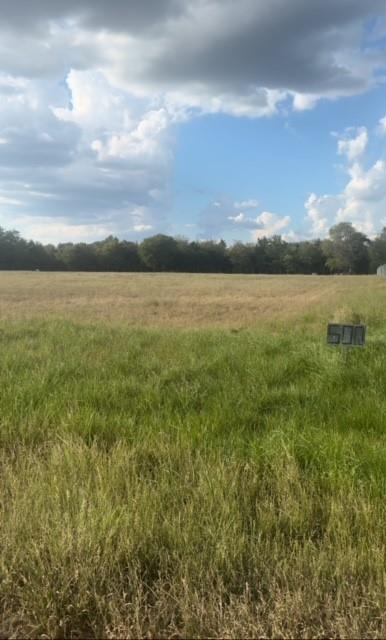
(344, 251)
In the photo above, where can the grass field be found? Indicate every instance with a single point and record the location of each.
(183, 456)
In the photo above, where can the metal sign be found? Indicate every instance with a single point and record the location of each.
(346, 335)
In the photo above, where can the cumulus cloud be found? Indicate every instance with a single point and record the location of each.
(363, 199)
(107, 168)
(93, 103)
(304, 101)
(224, 216)
(242, 57)
(271, 224)
(241, 52)
(143, 141)
(353, 147)
(321, 211)
(90, 91)
(382, 126)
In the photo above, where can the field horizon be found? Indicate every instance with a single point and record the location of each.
(184, 456)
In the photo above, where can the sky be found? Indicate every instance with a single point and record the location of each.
(206, 119)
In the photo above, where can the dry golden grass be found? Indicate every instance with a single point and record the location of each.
(182, 300)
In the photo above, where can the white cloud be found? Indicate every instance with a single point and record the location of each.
(10, 85)
(363, 199)
(135, 220)
(354, 147)
(10, 201)
(367, 186)
(142, 227)
(321, 210)
(143, 141)
(247, 204)
(238, 219)
(96, 148)
(97, 162)
(210, 55)
(304, 101)
(49, 230)
(94, 103)
(382, 126)
(271, 224)
(224, 216)
(197, 99)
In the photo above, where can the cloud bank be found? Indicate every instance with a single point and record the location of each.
(90, 91)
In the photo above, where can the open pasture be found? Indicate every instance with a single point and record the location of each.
(182, 455)
(188, 301)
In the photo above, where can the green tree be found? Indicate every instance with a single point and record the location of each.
(378, 251)
(12, 250)
(212, 257)
(38, 256)
(159, 253)
(270, 254)
(116, 255)
(311, 257)
(79, 257)
(346, 249)
(242, 257)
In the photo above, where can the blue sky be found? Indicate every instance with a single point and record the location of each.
(202, 118)
(278, 161)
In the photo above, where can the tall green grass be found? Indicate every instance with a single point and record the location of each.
(192, 483)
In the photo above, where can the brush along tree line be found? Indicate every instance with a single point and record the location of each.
(344, 251)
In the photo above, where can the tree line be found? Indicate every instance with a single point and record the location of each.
(344, 251)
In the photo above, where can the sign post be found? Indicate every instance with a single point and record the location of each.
(346, 335)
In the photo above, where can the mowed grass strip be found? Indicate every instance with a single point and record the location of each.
(190, 484)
